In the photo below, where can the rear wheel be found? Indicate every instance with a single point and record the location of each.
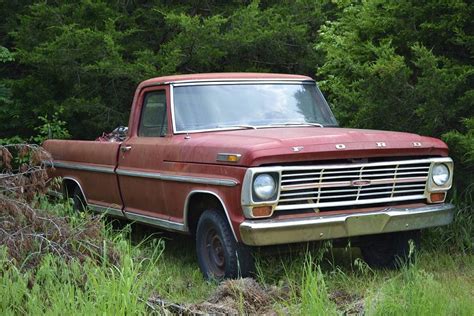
(78, 201)
(389, 251)
(219, 255)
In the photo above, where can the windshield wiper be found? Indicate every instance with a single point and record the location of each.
(297, 124)
(238, 126)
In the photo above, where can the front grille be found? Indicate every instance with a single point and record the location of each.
(352, 184)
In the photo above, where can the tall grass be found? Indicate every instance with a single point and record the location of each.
(414, 291)
(438, 283)
(314, 293)
(60, 288)
(301, 274)
(441, 282)
(459, 235)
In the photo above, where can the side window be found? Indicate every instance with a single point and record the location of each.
(153, 121)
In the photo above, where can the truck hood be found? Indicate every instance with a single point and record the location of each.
(297, 144)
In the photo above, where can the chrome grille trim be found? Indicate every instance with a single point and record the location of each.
(315, 187)
(358, 176)
(348, 190)
(348, 183)
(358, 194)
(348, 171)
(350, 203)
(333, 185)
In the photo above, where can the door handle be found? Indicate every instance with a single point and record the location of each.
(125, 148)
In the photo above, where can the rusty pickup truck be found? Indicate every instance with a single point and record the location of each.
(245, 160)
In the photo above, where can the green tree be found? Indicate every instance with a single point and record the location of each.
(397, 65)
(87, 57)
(403, 65)
(5, 93)
(5, 56)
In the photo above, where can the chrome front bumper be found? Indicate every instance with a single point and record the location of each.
(391, 219)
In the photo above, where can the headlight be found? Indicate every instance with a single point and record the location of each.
(264, 186)
(440, 174)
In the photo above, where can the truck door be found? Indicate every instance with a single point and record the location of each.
(140, 160)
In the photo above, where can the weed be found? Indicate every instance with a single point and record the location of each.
(152, 264)
(459, 235)
(74, 287)
(414, 291)
(314, 293)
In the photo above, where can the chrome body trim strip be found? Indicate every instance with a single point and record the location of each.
(153, 221)
(391, 219)
(187, 179)
(151, 175)
(211, 181)
(80, 166)
(185, 82)
(173, 122)
(186, 209)
(141, 174)
(239, 81)
(157, 222)
(107, 210)
(47, 163)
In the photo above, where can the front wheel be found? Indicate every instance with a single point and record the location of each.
(389, 251)
(219, 255)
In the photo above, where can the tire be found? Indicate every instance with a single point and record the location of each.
(78, 201)
(389, 251)
(219, 255)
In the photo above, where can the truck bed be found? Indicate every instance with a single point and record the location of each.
(90, 163)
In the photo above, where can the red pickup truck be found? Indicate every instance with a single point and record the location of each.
(240, 160)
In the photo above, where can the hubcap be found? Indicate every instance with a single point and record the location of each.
(215, 253)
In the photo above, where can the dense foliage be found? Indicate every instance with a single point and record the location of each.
(405, 65)
(398, 65)
(85, 59)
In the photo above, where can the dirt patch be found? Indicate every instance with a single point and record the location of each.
(232, 297)
(241, 296)
(348, 304)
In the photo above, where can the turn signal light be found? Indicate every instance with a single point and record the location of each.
(228, 157)
(262, 211)
(437, 197)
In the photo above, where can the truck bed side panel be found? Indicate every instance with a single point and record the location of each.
(92, 165)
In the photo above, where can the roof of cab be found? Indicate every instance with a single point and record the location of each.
(222, 76)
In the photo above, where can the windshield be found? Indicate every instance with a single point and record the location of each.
(220, 106)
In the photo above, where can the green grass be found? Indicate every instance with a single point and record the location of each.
(416, 291)
(437, 284)
(324, 281)
(459, 235)
(87, 288)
